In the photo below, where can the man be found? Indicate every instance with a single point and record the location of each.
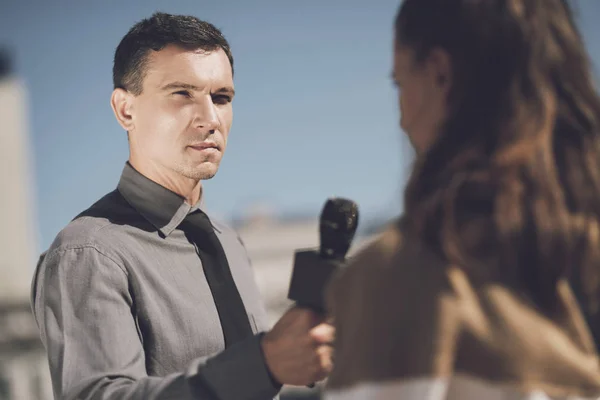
(142, 296)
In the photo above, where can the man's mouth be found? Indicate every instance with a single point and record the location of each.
(205, 146)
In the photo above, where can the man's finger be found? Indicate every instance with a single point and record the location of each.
(323, 333)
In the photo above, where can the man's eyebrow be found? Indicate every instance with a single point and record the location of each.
(179, 85)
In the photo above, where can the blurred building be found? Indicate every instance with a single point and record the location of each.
(271, 243)
(24, 373)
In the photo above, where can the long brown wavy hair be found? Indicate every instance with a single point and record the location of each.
(514, 176)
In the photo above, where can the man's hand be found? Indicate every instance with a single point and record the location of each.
(298, 349)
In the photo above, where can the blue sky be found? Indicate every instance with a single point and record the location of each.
(315, 111)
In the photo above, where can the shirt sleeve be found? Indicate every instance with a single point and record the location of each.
(83, 308)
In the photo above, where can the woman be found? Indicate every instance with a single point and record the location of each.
(468, 295)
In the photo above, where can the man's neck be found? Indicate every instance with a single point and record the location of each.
(189, 189)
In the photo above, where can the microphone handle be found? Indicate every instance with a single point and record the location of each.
(312, 270)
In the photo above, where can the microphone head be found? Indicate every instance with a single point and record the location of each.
(338, 223)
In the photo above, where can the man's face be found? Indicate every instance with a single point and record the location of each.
(181, 120)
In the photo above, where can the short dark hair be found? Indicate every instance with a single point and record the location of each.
(155, 33)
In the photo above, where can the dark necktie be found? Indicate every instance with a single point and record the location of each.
(232, 313)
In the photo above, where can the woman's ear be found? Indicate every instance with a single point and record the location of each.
(439, 65)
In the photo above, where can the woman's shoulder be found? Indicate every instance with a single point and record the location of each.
(395, 312)
(393, 256)
(401, 312)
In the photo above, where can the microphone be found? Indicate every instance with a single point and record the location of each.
(313, 269)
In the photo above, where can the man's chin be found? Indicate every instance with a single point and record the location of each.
(207, 176)
(203, 172)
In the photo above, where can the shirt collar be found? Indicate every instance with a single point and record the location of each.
(161, 207)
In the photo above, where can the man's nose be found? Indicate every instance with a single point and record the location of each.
(207, 117)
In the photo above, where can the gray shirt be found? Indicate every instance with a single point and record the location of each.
(125, 311)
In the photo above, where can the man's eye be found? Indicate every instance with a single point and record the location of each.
(184, 93)
(221, 99)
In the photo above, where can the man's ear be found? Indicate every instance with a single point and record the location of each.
(122, 103)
